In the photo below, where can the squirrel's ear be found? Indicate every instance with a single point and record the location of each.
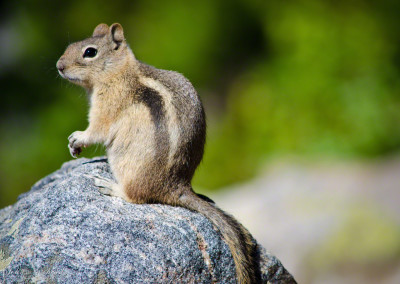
(117, 34)
(100, 30)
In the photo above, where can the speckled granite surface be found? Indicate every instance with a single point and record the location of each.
(64, 231)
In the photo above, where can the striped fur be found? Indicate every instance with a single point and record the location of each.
(153, 125)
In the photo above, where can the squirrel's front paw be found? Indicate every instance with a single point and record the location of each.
(76, 142)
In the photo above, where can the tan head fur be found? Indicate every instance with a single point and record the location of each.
(100, 56)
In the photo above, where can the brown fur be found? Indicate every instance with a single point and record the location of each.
(153, 126)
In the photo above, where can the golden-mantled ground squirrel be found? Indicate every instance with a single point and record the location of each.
(153, 125)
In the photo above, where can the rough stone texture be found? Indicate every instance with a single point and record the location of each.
(64, 231)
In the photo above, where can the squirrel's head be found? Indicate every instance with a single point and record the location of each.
(96, 58)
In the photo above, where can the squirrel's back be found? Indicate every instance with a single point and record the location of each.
(187, 136)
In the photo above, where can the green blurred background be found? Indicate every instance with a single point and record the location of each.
(311, 79)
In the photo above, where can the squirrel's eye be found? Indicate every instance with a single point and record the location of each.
(90, 52)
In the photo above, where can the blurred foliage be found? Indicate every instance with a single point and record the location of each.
(367, 237)
(277, 77)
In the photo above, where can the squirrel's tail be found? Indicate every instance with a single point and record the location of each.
(239, 240)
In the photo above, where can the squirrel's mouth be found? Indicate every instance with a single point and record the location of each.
(72, 79)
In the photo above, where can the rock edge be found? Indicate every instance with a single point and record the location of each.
(64, 231)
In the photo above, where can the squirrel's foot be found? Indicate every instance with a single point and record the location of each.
(76, 142)
(106, 186)
(109, 187)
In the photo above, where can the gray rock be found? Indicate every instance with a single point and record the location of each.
(64, 231)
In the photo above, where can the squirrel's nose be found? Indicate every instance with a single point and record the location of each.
(60, 65)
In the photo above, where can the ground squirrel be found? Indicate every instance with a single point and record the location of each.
(153, 125)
